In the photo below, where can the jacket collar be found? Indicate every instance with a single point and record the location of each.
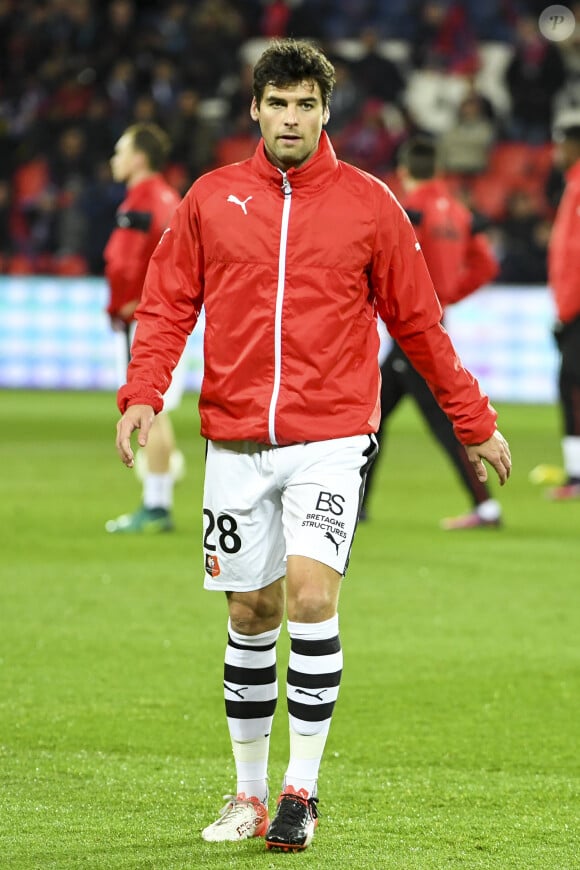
(315, 173)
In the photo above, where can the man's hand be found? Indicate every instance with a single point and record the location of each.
(121, 319)
(495, 451)
(127, 310)
(135, 417)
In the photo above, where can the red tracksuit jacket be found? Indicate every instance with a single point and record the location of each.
(564, 250)
(460, 260)
(141, 218)
(292, 269)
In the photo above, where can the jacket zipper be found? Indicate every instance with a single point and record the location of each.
(287, 190)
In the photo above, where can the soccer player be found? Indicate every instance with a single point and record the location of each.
(564, 279)
(460, 260)
(149, 205)
(292, 252)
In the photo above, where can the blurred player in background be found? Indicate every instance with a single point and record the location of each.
(149, 205)
(460, 260)
(291, 253)
(564, 279)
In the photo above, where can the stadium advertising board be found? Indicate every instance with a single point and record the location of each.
(55, 334)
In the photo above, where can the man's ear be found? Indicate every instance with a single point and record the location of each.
(326, 116)
(254, 110)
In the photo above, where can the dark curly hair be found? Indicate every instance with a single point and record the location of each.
(288, 61)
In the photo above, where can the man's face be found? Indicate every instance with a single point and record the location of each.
(124, 161)
(291, 121)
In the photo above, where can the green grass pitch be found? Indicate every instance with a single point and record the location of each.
(456, 737)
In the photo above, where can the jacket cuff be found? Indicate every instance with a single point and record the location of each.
(135, 394)
(478, 435)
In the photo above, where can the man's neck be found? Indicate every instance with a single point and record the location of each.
(138, 177)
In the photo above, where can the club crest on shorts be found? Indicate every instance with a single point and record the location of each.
(212, 565)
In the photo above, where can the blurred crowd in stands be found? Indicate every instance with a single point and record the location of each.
(476, 75)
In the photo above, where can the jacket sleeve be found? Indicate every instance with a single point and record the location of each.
(124, 272)
(455, 389)
(169, 309)
(480, 266)
(126, 255)
(408, 304)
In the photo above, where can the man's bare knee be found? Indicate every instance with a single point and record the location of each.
(257, 611)
(313, 590)
(312, 603)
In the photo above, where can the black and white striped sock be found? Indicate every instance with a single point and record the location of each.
(251, 693)
(314, 672)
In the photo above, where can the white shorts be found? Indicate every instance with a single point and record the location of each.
(262, 504)
(173, 396)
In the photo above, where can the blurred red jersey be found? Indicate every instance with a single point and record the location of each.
(564, 251)
(459, 260)
(141, 219)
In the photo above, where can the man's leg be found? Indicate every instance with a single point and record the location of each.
(392, 391)
(251, 693)
(313, 680)
(158, 481)
(154, 515)
(486, 510)
(158, 466)
(163, 462)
